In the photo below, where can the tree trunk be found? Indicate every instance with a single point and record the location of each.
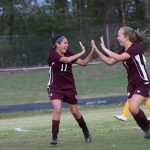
(123, 12)
(11, 18)
(80, 10)
(146, 4)
(1, 24)
(60, 7)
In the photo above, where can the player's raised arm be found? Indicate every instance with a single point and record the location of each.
(73, 57)
(102, 57)
(84, 62)
(115, 56)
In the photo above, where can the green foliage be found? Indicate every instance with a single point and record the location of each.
(22, 17)
(135, 11)
(79, 20)
(29, 50)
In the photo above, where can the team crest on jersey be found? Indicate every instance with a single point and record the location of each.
(138, 91)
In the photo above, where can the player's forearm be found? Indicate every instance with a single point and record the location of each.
(103, 57)
(88, 58)
(71, 58)
(112, 54)
(76, 56)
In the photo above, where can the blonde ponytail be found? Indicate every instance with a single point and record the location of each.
(135, 36)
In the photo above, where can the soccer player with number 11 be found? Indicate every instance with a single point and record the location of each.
(61, 85)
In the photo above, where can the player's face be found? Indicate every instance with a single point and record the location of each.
(63, 46)
(122, 38)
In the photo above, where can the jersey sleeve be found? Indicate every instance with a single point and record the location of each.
(121, 51)
(133, 50)
(53, 56)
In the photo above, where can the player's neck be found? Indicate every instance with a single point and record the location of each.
(127, 45)
(58, 51)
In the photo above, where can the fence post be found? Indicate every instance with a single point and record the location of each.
(107, 36)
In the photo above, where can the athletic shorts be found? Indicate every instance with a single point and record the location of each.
(68, 96)
(141, 88)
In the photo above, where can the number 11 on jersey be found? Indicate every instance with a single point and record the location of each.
(63, 67)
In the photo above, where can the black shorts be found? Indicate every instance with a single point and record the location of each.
(68, 96)
(141, 88)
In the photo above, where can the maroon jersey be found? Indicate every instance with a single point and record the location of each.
(135, 65)
(60, 74)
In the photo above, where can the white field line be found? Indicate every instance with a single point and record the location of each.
(65, 129)
(20, 130)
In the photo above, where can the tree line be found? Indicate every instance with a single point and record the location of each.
(44, 16)
(37, 18)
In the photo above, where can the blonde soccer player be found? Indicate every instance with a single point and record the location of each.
(133, 60)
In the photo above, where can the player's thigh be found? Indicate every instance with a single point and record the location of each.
(135, 101)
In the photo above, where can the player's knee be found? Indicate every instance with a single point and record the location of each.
(57, 111)
(133, 109)
(75, 114)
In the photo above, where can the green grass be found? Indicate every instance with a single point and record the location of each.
(107, 133)
(91, 81)
(23, 88)
(100, 80)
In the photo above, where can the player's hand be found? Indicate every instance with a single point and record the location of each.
(82, 47)
(102, 44)
(94, 47)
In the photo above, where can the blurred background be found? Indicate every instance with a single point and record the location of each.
(26, 28)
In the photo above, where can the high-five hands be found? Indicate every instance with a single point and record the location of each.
(82, 47)
(93, 44)
(102, 44)
(94, 47)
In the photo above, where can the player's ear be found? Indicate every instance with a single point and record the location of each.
(57, 44)
(126, 37)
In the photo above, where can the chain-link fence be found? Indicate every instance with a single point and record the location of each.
(28, 85)
(31, 50)
(25, 89)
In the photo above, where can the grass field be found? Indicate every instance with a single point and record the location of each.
(92, 81)
(107, 133)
